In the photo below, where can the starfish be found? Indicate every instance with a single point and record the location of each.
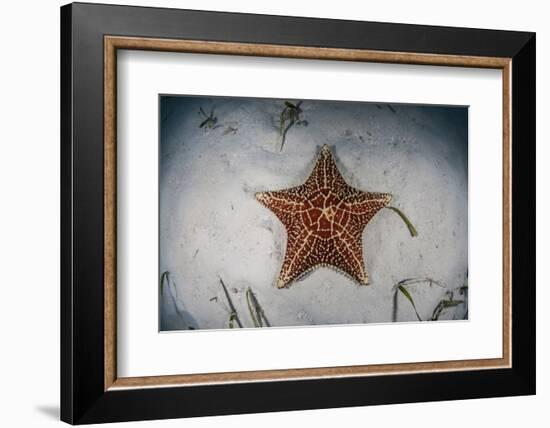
(324, 219)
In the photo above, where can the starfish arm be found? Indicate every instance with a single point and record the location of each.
(348, 257)
(363, 206)
(296, 262)
(325, 173)
(283, 203)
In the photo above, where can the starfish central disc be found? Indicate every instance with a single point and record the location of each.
(324, 219)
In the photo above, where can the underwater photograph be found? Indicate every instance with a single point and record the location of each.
(289, 212)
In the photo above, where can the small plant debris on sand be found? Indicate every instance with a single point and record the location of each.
(256, 311)
(401, 287)
(165, 282)
(412, 229)
(446, 302)
(290, 116)
(209, 120)
(233, 315)
(230, 130)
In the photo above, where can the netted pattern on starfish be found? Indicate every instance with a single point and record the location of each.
(324, 219)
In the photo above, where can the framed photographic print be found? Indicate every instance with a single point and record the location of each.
(265, 213)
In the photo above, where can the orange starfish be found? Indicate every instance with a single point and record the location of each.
(324, 220)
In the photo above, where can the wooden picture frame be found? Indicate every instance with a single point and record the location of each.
(91, 390)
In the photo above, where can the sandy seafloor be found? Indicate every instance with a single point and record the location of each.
(212, 227)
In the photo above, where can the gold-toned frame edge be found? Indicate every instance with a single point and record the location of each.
(112, 43)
